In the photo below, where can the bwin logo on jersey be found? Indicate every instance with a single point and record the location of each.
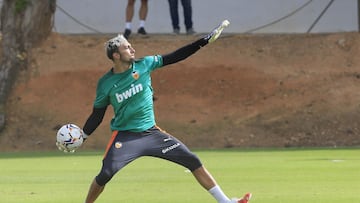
(134, 89)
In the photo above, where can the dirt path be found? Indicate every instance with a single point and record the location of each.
(241, 91)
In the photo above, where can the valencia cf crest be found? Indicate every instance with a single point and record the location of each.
(118, 145)
(135, 75)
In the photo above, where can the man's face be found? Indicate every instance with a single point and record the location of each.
(127, 52)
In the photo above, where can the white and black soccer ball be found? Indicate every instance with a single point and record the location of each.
(69, 137)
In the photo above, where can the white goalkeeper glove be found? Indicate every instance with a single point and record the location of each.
(85, 136)
(214, 35)
(63, 148)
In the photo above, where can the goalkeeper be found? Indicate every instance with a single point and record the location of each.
(127, 88)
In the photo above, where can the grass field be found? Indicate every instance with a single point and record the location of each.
(273, 176)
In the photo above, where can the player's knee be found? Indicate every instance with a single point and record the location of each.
(193, 162)
(103, 177)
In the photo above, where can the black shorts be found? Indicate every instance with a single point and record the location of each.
(124, 147)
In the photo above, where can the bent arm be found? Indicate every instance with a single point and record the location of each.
(94, 120)
(184, 52)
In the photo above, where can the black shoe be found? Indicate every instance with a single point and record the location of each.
(142, 31)
(190, 31)
(176, 31)
(127, 33)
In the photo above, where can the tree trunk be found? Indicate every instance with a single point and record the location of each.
(24, 24)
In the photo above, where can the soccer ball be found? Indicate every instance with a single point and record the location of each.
(69, 137)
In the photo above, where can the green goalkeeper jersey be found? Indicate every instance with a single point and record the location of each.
(131, 95)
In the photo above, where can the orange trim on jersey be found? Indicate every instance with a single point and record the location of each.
(113, 136)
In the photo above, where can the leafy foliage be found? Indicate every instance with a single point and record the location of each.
(20, 5)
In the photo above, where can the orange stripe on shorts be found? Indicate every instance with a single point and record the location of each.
(161, 129)
(113, 136)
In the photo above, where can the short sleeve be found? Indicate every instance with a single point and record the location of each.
(153, 62)
(102, 99)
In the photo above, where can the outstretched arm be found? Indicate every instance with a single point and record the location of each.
(184, 52)
(190, 49)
